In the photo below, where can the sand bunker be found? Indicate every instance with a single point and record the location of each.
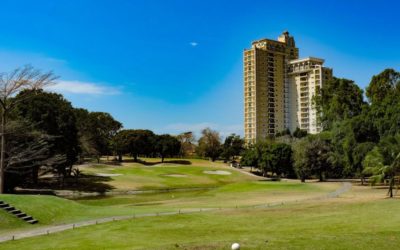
(107, 175)
(218, 172)
(175, 175)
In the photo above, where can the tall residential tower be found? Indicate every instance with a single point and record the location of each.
(278, 88)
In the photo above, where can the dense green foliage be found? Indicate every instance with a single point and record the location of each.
(270, 157)
(339, 99)
(53, 115)
(167, 146)
(95, 132)
(363, 137)
(232, 147)
(312, 157)
(139, 142)
(360, 139)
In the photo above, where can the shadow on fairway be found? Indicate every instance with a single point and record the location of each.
(180, 162)
(85, 183)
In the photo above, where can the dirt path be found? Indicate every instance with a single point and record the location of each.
(346, 186)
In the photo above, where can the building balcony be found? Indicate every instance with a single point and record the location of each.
(304, 110)
(303, 89)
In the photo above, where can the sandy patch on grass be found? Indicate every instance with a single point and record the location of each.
(107, 175)
(218, 172)
(175, 175)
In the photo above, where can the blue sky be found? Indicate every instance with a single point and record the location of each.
(173, 66)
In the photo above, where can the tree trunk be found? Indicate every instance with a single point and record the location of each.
(2, 151)
(162, 158)
(35, 175)
(120, 157)
(303, 179)
(391, 184)
(264, 173)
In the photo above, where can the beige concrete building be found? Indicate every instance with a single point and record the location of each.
(306, 78)
(276, 84)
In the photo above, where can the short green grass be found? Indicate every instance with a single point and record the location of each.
(330, 224)
(297, 224)
(50, 210)
(133, 176)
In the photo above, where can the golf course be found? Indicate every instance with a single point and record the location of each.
(198, 204)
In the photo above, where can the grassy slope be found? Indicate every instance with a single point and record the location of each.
(235, 189)
(139, 176)
(331, 224)
(50, 210)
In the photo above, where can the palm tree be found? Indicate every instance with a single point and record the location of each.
(381, 172)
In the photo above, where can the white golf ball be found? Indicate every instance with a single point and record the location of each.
(235, 246)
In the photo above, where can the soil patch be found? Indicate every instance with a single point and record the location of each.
(107, 175)
(218, 172)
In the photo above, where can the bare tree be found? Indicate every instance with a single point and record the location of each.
(187, 140)
(209, 144)
(11, 84)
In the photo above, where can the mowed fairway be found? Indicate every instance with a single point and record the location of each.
(361, 218)
(174, 173)
(350, 222)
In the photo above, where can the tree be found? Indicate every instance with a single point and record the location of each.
(249, 157)
(167, 145)
(382, 85)
(383, 93)
(339, 99)
(312, 157)
(187, 140)
(209, 144)
(374, 166)
(285, 132)
(26, 153)
(11, 84)
(269, 157)
(373, 163)
(282, 163)
(135, 142)
(51, 114)
(232, 147)
(96, 130)
(358, 155)
(302, 168)
(299, 133)
(120, 143)
(317, 156)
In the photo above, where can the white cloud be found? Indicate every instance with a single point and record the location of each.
(78, 87)
(193, 44)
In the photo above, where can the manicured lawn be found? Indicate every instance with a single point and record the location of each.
(50, 210)
(170, 174)
(330, 224)
(360, 219)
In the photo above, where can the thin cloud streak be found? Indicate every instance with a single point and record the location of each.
(86, 88)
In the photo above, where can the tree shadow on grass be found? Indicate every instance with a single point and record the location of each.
(180, 162)
(84, 183)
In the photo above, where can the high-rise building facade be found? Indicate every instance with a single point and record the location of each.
(279, 88)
